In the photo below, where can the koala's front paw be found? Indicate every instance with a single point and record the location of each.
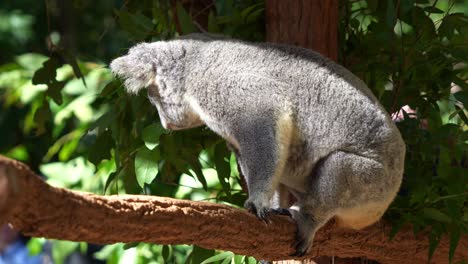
(257, 209)
(263, 212)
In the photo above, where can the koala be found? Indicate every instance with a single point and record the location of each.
(311, 139)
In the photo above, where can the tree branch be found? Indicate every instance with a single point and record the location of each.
(37, 209)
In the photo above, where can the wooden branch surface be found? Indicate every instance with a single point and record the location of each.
(40, 210)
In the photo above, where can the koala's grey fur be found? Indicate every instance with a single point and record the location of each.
(300, 124)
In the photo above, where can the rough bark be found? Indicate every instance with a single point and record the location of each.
(37, 209)
(311, 24)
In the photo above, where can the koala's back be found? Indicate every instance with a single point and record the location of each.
(332, 108)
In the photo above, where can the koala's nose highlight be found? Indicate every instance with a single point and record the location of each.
(171, 126)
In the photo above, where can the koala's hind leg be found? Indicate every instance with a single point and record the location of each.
(355, 189)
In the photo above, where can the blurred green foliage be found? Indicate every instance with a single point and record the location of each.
(64, 115)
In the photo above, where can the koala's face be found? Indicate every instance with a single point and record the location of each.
(174, 111)
(159, 67)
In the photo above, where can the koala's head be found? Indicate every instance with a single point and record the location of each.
(160, 67)
(137, 68)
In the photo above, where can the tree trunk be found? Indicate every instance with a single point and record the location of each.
(311, 24)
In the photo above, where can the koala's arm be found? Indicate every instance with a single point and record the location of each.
(261, 137)
(259, 159)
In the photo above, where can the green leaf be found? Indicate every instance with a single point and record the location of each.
(212, 23)
(110, 254)
(250, 13)
(251, 260)
(460, 82)
(460, 53)
(221, 153)
(54, 91)
(252, 17)
(454, 239)
(19, 152)
(137, 25)
(248, 10)
(109, 180)
(31, 61)
(101, 148)
(200, 254)
(451, 24)
(35, 246)
(462, 97)
(41, 116)
(146, 165)
(236, 198)
(151, 135)
(219, 257)
(71, 60)
(436, 215)
(47, 72)
(62, 249)
(185, 21)
(68, 149)
(130, 245)
(195, 165)
(46, 75)
(424, 24)
(227, 260)
(67, 174)
(354, 23)
(461, 114)
(166, 252)
(238, 259)
(432, 9)
(109, 89)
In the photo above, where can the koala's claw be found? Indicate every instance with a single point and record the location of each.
(262, 213)
(298, 253)
(301, 246)
(251, 207)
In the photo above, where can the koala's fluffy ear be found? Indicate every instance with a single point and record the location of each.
(120, 66)
(136, 68)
